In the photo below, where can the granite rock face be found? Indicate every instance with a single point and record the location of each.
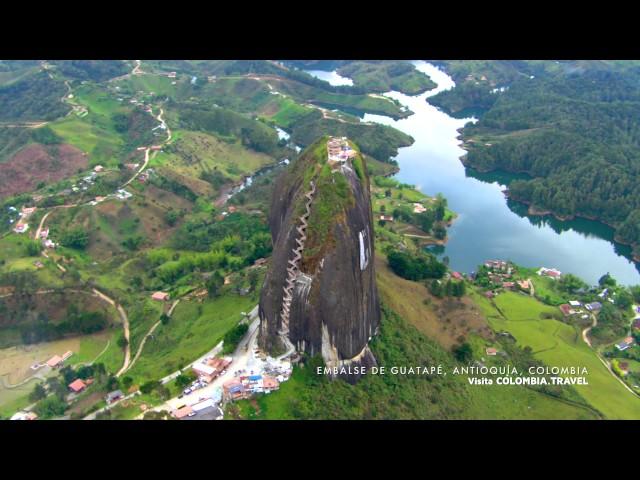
(334, 307)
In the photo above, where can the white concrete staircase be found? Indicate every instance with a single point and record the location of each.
(293, 268)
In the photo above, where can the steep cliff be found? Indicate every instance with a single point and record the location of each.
(320, 294)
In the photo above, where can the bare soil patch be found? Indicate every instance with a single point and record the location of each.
(37, 163)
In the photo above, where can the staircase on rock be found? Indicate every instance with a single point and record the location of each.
(293, 268)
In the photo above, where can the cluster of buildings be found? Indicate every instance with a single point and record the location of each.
(122, 194)
(23, 216)
(54, 362)
(243, 387)
(499, 266)
(339, 151)
(607, 295)
(211, 368)
(549, 272)
(266, 374)
(87, 181)
(43, 236)
(628, 342)
(501, 274)
(576, 308)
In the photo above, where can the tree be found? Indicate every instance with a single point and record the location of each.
(38, 393)
(635, 292)
(415, 266)
(232, 337)
(459, 289)
(440, 205)
(133, 243)
(607, 281)
(449, 287)
(120, 122)
(463, 353)
(122, 342)
(75, 238)
(149, 387)
(33, 248)
(214, 284)
(49, 407)
(68, 374)
(56, 387)
(253, 279)
(570, 283)
(624, 299)
(112, 382)
(127, 381)
(435, 287)
(171, 217)
(439, 231)
(164, 318)
(185, 379)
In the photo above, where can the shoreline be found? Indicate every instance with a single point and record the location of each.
(532, 210)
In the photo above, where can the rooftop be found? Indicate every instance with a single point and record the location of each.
(77, 385)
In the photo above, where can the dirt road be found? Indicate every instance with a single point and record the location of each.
(125, 326)
(44, 218)
(149, 333)
(585, 332)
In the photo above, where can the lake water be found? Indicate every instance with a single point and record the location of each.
(488, 225)
(332, 77)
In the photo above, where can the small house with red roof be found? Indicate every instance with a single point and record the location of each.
(160, 296)
(565, 308)
(77, 386)
(55, 361)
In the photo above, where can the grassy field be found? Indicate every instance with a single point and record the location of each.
(101, 144)
(159, 85)
(288, 112)
(15, 363)
(194, 153)
(99, 102)
(194, 329)
(559, 344)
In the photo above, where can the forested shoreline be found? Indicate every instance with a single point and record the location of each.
(576, 134)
